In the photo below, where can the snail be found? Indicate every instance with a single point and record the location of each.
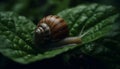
(54, 29)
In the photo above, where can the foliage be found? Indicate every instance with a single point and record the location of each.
(91, 22)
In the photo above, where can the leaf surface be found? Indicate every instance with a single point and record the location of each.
(88, 21)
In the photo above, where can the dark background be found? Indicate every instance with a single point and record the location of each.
(35, 10)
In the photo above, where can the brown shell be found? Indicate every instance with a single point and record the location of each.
(58, 26)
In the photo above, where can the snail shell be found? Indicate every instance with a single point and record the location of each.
(52, 28)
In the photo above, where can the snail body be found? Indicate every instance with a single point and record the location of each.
(54, 29)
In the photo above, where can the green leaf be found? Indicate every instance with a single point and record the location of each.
(16, 35)
(107, 48)
(88, 21)
(93, 28)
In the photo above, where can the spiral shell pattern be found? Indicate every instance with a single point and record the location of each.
(52, 27)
